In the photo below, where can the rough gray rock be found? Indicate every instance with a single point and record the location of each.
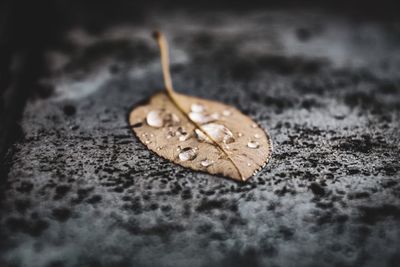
(83, 191)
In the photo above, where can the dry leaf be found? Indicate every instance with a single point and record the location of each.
(200, 134)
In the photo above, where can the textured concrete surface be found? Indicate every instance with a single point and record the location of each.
(81, 190)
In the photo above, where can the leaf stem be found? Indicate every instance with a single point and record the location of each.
(163, 45)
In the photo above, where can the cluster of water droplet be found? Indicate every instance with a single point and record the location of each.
(209, 128)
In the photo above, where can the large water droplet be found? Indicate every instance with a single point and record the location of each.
(202, 118)
(206, 162)
(158, 119)
(155, 119)
(197, 108)
(219, 133)
(188, 153)
(253, 144)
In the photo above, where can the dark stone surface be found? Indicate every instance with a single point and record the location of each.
(81, 190)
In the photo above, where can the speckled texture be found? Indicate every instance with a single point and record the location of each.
(83, 191)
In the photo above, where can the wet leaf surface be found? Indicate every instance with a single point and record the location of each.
(243, 147)
(200, 134)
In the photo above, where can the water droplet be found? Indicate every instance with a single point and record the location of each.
(257, 136)
(184, 137)
(180, 131)
(254, 125)
(197, 108)
(218, 133)
(158, 118)
(188, 153)
(147, 142)
(253, 144)
(226, 112)
(240, 134)
(159, 148)
(201, 136)
(249, 164)
(179, 148)
(155, 119)
(206, 162)
(201, 118)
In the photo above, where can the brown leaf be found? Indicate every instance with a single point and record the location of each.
(200, 134)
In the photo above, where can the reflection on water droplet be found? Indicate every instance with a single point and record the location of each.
(154, 119)
(254, 125)
(188, 153)
(240, 134)
(178, 148)
(257, 136)
(159, 148)
(219, 133)
(249, 164)
(226, 112)
(206, 162)
(148, 142)
(253, 144)
(197, 108)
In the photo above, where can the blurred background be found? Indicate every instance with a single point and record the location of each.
(29, 29)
